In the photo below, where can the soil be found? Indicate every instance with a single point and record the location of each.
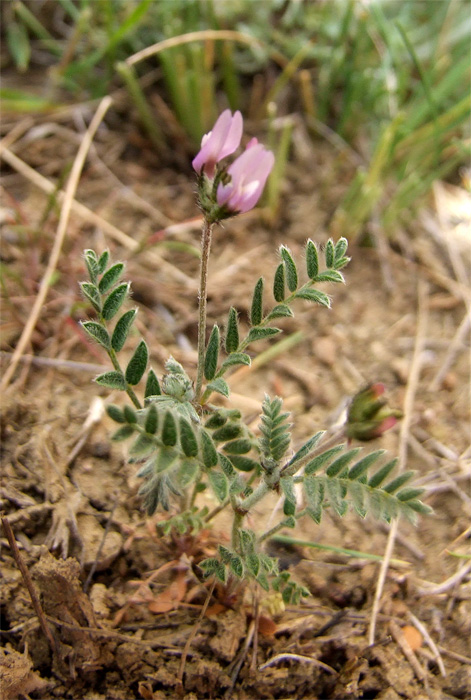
(123, 602)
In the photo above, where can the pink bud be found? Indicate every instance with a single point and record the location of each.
(248, 173)
(223, 140)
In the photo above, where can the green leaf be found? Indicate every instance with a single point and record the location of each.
(188, 439)
(232, 332)
(312, 260)
(121, 329)
(318, 462)
(290, 268)
(256, 312)
(142, 446)
(287, 486)
(92, 264)
(315, 296)
(238, 447)
(103, 261)
(212, 354)
(115, 413)
(169, 430)
(98, 333)
(279, 283)
(341, 462)
(114, 301)
(409, 494)
(228, 431)
(152, 385)
(340, 249)
(280, 311)
(152, 420)
(243, 464)
(137, 364)
(18, 43)
(110, 277)
(399, 481)
(330, 276)
(123, 433)
(253, 564)
(263, 581)
(112, 380)
(258, 333)
(362, 466)
(220, 386)
(225, 553)
(235, 358)
(90, 292)
(209, 454)
(236, 565)
(329, 253)
(308, 446)
(226, 466)
(382, 474)
(187, 472)
(130, 414)
(219, 484)
(209, 566)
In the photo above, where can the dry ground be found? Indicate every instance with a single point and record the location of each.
(68, 490)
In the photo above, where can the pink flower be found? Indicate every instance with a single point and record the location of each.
(248, 173)
(223, 140)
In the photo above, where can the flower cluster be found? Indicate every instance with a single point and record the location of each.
(226, 191)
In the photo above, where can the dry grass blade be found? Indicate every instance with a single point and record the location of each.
(59, 239)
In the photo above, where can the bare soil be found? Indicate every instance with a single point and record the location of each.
(121, 601)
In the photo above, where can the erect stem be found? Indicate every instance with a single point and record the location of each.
(202, 299)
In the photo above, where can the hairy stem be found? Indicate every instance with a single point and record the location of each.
(129, 390)
(202, 299)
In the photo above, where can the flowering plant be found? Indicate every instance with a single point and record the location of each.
(186, 444)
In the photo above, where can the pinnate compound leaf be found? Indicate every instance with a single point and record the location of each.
(137, 364)
(112, 380)
(279, 283)
(110, 277)
(280, 311)
(98, 333)
(290, 269)
(315, 296)
(232, 331)
(235, 358)
(91, 293)
(121, 330)
(256, 312)
(212, 354)
(114, 301)
(220, 386)
(259, 333)
(219, 484)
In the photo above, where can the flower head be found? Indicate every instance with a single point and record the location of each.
(221, 141)
(248, 175)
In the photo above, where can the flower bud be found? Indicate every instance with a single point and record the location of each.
(369, 416)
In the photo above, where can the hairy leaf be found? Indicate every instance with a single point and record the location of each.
(212, 354)
(121, 330)
(256, 312)
(137, 364)
(114, 301)
(152, 385)
(279, 283)
(312, 260)
(112, 380)
(290, 269)
(98, 333)
(232, 331)
(90, 292)
(110, 277)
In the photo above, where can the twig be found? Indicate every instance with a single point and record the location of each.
(59, 363)
(403, 443)
(59, 239)
(406, 650)
(424, 632)
(453, 348)
(448, 583)
(29, 584)
(298, 657)
(195, 629)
